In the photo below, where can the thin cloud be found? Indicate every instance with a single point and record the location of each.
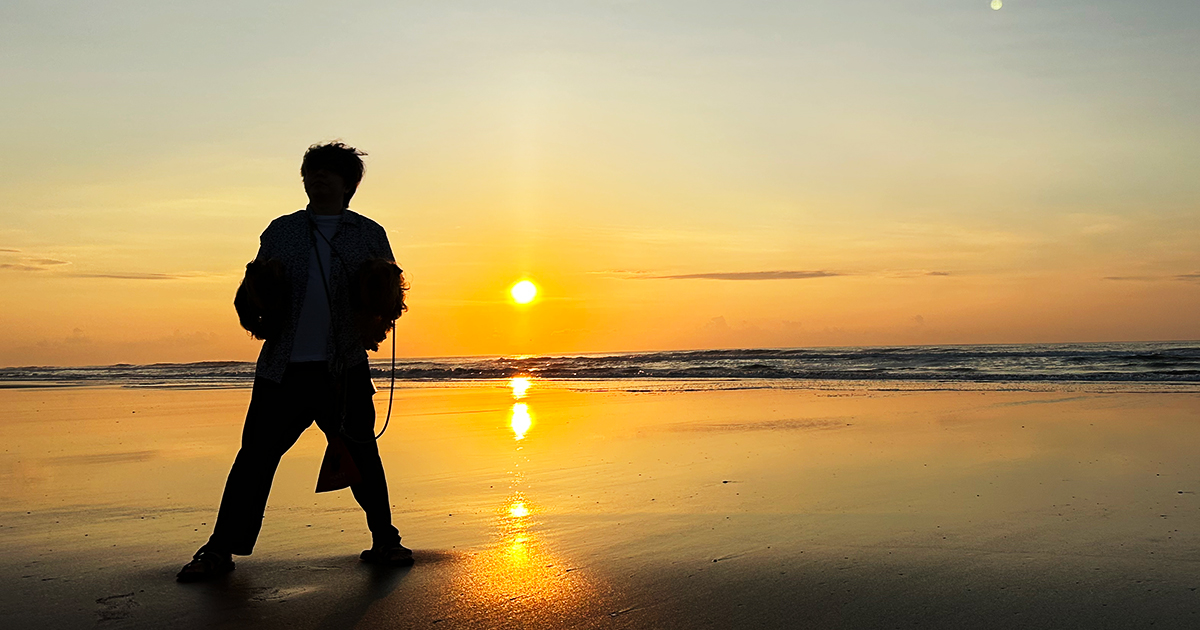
(749, 275)
(25, 263)
(46, 264)
(13, 251)
(132, 276)
(632, 274)
(1184, 277)
(622, 273)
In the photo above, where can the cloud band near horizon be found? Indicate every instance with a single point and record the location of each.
(749, 275)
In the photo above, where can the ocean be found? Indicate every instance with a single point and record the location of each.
(1136, 365)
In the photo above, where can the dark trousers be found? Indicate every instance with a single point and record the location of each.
(278, 414)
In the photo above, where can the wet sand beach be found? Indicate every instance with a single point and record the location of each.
(569, 505)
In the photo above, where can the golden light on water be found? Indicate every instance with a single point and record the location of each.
(520, 569)
(523, 292)
(520, 420)
(519, 385)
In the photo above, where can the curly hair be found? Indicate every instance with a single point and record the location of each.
(377, 295)
(263, 299)
(336, 157)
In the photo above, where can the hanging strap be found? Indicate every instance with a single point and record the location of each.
(339, 372)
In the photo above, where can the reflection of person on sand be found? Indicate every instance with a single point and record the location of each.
(311, 293)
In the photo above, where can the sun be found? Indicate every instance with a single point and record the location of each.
(523, 292)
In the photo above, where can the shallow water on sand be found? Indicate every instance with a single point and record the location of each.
(538, 503)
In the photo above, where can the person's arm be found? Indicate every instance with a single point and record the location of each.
(262, 299)
(266, 249)
(379, 290)
(385, 245)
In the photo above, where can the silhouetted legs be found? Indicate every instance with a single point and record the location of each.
(278, 414)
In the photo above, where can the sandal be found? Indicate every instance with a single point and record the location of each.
(205, 565)
(397, 556)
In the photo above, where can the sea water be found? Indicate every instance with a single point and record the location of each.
(1127, 364)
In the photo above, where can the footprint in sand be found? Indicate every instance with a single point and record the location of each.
(274, 594)
(116, 607)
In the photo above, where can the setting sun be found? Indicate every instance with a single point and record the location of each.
(523, 292)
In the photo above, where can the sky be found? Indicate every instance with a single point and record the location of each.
(670, 174)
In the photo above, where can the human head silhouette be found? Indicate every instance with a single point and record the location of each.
(325, 164)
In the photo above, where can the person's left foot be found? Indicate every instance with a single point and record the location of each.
(205, 565)
(396, 556)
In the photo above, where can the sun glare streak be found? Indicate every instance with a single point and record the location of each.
(522, 569)
(520, 385)
(520, 421)
(523, 292)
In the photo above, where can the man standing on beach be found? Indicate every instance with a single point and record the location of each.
(314, 367)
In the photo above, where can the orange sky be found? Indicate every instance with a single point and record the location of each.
(919, 173)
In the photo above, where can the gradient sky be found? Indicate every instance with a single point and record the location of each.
(672, 174)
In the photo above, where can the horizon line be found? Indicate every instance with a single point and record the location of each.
(626, 352)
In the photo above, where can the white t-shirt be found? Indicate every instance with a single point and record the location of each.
(312, 331)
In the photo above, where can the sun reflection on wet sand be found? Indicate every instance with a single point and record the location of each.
(521, 420)
(519, 568)
(519, 385)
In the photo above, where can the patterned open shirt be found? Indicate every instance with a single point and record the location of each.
(289, 240)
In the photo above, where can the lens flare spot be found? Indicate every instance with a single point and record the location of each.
(523, 292)
(520, 420)
(996, 4)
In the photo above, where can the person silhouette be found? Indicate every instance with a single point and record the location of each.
(313, 363)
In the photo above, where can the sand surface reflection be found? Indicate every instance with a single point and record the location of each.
(566, 505)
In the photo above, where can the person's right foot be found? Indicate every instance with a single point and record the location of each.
(397, 556)
(205, 565)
